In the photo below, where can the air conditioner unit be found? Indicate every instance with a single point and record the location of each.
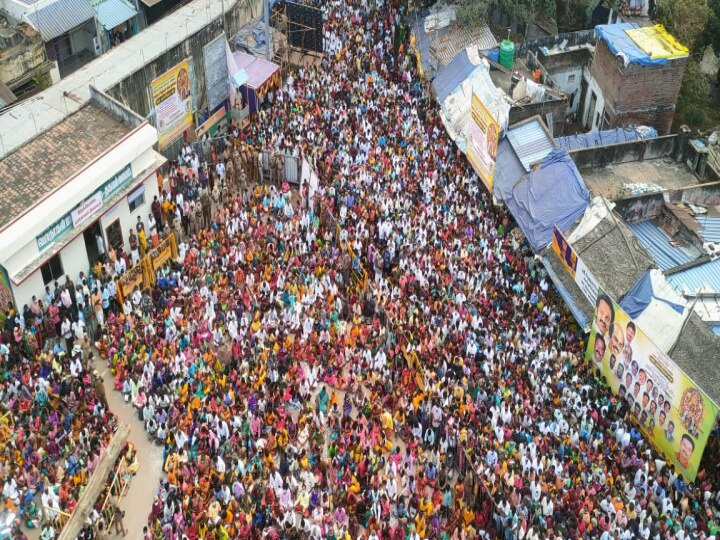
(97, 45)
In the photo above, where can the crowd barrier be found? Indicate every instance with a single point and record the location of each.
(143, 274)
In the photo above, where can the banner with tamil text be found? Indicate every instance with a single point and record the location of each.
(172, 100)
(674, 413)
(574, 265)
(482, 141)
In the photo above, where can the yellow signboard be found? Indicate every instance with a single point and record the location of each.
(670, 409)
(173, 103)
(162, 257)
(482, 142)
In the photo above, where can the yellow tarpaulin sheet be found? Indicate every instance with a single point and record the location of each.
(657, 42)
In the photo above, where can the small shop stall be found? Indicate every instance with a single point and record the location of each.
(253, 80)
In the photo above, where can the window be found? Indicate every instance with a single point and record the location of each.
(52, 270)
(136, 198)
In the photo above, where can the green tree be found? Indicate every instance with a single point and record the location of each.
(711, 34)
(684, 19)
(525, 10)
(693, 106)
(470, 11)
(520, 11)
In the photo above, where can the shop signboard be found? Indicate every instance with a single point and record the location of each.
(57, 229)
(85, 209)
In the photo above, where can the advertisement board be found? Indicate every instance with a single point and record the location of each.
(85, 209)
(482, 141)
(6, 295)
(172, 100)
(213, 124)
(216, 71)
(575, 267)
(675, 415)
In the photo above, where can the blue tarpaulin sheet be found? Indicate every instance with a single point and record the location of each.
(621, 44)
(450, 77)
(592, 139)
(553, 194)
(639, 297)
(508, 170)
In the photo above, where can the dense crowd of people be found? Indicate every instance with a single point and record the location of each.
(373, 357)
(54, 426)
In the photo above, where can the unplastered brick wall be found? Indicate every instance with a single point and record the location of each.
(637, 93)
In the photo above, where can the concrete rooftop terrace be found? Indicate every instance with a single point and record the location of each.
(28, 119)
(664, 172)
(45, 163)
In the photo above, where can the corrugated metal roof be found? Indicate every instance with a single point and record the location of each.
(705, 276)
(710, 230)
(446, 45)
(657, 244)
(112, 13)
(531, 142)
(53, 20)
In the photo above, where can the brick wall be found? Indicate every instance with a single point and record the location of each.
(557, 107)
(638, 94)
(660, 120)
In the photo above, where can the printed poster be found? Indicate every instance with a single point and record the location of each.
(671, 410)
(173, 103)
(575, 266)
(6, 294)
(482, 142)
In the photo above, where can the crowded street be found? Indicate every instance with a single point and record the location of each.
(376, 356)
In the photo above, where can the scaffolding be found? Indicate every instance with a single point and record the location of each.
(284, 54)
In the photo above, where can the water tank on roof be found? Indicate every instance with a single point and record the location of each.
(507, 53)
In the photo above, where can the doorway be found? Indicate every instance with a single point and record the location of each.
(114, 235)
(94, 242)
(591, 111)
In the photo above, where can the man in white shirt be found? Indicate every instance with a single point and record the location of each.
(66, 332)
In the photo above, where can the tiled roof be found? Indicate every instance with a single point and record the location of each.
(49, 160)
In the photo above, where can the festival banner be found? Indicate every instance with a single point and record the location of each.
(173, 103)
(670, 409)
(7, 299)
(213, 124)
(482, 141)
(575, 266)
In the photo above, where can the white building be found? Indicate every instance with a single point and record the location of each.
(88, 176)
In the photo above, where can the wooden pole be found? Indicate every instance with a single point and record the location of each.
(96, 484)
